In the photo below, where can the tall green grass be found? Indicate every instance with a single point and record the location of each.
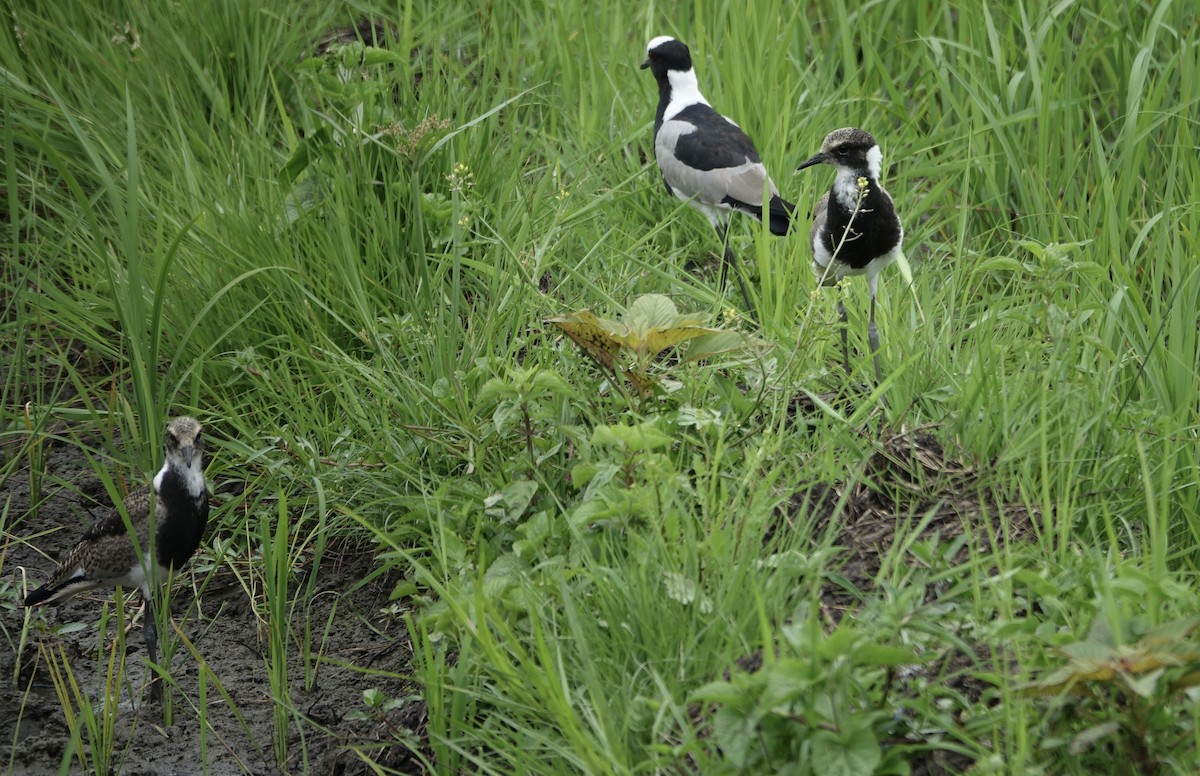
(327, 261)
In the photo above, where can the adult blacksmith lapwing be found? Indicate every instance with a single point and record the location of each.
(855, 227)
(107, 556)
(705, 158)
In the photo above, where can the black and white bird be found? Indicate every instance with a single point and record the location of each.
(107, 556)
(705, 158)
(855, 227)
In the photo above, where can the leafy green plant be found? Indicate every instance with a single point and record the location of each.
(531, 402)
(378, 707)
(628, 478)
(329, 252)
(821, 706)
(1129, 694)
(651, 325)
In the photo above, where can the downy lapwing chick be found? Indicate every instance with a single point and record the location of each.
(106, 555)
(705, 158)
(855, 227)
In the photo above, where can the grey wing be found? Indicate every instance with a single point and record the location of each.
(745, 183)
(742, 182)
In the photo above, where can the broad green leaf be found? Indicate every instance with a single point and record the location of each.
(854, 753)
(1170, 632)
(506, 416)
(512, 500)
(723, 693)
(787, 679)
(586, 472)
(714, 344)
(651, 311)
(839, 643)
(1000, 264)
(496, 388)
(1143, 684)
(734, 733)
(655, 341)
(632, 439)
(886, 655)
(1088, 738)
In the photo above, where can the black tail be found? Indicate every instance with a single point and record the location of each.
(39, 596)
(56, 591)
(781, 212)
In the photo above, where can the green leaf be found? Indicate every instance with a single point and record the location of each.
(1145, 684)
(504, 572)
(549, 382)
(308, 149)
(1088, 738)
(707, 346)
(506, 416)
(602, 475)
(1170, 632)
(679, 588)
(723, 693)
(632, 439)
(377, 56)
(1087, 650)
(853, 753)
(840, 642)
(886, 655)
(651, 310)
(734, 733)
(511, 501)
(787, 680)
(405, 588)
(496, 389)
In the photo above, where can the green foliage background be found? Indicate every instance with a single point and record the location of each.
(342, 262)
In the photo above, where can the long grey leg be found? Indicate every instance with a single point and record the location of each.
(150, 633)
(873, 339)
(730, 262)
(845, 345)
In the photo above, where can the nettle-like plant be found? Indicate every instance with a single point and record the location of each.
(1131, 695)
(633, 345)
(531, 404)
(824, 703)
(628, 478)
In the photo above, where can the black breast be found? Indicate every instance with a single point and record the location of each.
(874, 230)
(179, 533)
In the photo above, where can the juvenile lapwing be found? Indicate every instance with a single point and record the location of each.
(855, 227)
(106, 555)
(705, 158)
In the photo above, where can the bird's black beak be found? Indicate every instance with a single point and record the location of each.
(188, 452)
(813, 161)
(645, 64)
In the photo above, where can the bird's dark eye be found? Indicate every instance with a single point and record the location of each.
(842, 151)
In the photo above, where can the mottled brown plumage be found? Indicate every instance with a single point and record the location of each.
(108, 556)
